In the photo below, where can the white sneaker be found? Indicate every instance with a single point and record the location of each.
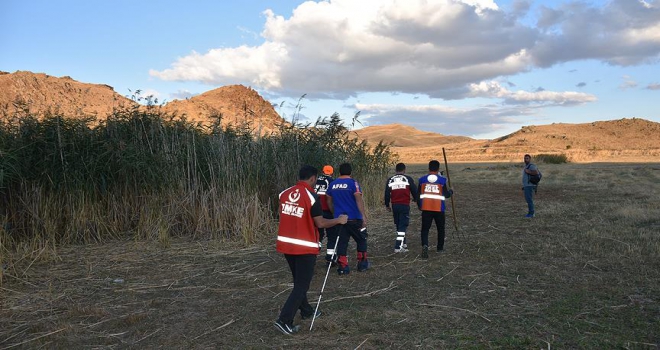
(401, 250)
(404, 246)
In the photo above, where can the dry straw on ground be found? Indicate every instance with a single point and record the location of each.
(585, 273)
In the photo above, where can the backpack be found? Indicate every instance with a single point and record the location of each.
(535, 179)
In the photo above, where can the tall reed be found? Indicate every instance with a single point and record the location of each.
(143, 174)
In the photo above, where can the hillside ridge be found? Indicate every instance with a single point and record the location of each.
(41, 94)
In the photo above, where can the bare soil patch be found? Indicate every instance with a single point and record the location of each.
(585, 273)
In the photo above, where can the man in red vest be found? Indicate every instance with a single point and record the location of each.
(432, 194)
(298, 239)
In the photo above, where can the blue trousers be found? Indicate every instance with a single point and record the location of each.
(401, 214)
(529, 198)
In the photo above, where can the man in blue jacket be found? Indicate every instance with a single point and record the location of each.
(345, 197)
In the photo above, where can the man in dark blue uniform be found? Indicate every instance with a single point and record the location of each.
(345, 197)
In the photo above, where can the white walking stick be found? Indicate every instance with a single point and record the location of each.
(332, 258)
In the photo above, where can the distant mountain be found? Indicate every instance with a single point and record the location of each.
(41, 93)
(400, 135)
(623, 140)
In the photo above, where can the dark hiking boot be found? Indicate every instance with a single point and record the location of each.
(425, 252)
(286, 328)
(343, 270)
(329, 260)
(307, 317)
(363, 265)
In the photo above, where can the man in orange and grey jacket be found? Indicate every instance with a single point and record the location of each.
(432, 194)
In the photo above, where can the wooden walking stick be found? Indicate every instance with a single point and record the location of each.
(453, 205)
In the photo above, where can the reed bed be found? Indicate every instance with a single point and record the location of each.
(145, 175)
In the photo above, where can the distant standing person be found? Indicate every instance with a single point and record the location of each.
(433, 191)
(298, 239)
(322, 184)
(529, 188)
(345, 197)
(399, 189)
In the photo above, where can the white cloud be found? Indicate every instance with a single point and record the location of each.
(145, 96)
(476, 120)
(258, 65)
(150, 92)
(250, 33)
(493, 89)
(653, 86)
(443, 119)
(182, 95)
(341, 48)
(628, 83)
(622, 32)
(521, 7)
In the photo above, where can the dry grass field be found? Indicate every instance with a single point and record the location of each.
(585, 273)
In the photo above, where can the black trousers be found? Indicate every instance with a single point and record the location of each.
(428, 217)
(401, 214)
(353, 228)
(302, 269)
(331, 232)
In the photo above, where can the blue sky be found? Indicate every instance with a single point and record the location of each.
(479, 68)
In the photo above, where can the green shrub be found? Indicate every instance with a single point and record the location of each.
(551, 158)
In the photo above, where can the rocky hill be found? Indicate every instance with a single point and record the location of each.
(41, 93)
(236, 104)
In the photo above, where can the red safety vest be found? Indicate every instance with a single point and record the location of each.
(297, 234)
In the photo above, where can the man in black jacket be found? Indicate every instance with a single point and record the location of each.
(322, 184)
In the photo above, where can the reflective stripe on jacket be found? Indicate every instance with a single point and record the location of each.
(431, 189)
